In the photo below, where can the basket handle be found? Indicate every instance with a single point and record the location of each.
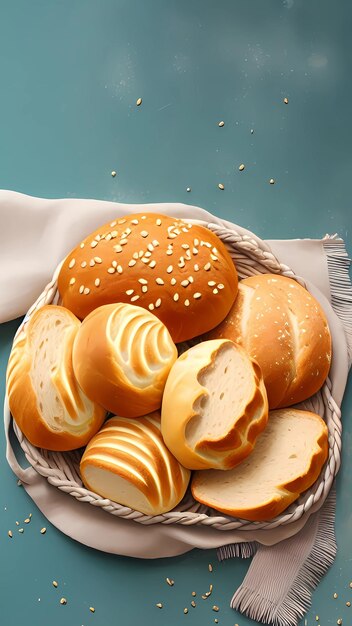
(26, 475)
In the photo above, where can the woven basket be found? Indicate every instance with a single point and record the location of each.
(251, 256)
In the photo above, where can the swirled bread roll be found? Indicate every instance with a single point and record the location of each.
(284, 328)
(121, 358)
(128, 462)
(180, 271)
(214, 406)
(44, 397)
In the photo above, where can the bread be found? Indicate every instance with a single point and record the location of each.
(128, 462)
(214, 406)
(282, 327)
(122, 355)
(287, 460)
(44, 397)
(179, 271)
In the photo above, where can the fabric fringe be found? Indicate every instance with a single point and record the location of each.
(237, 550)
(340, 283)
(298, 600)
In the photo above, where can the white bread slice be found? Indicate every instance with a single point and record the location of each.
(44, 397)
(287, 460)
(214, 406)
(128, 462)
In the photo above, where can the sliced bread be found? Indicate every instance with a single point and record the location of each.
(287, 460)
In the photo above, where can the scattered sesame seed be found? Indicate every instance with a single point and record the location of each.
(348, 603)
(159, 605)
(221, 286)
(221, 186)
(152, 264)
(210, 586)
(195, 251)
(351, 585)
(194, 594)
(92, 609)
(272, 181)
(184, 283)
(207, 267)
(158, 222)
(252, 131)
(170, 582)
(158, 303)
(134, 222)
(112, 224)
(72, 263)
(139, 102)
(151, 306)
(119, 269)
(20, 530)
(213, 257)
(188, 189)
(211, 283)
(193, 604)
(43, 531)
(176, 297)
(185, 610)
(122, 220)
(241, 167)
(190, 278)
(186, 302)
(134, 298)
(144, 233)
(221, 124)
(10, 534)
(144, 288)
(114, 264)
(114, 233)
(196, 242)
(55, 583)
(72, 281)
(129, 292)
(169, 269)
(81, 245)
(335, 595)
(145, 260)
(215, 608)
(97, 259)
(286, 100)
(93, 244)
(181, 263)
(173, 281)
(81, 289)
(63, 601)
(204, 597)
(19, 483)
(113, 173)
(17, 523)
(215, 291)
(339, 621)
(196, 296)
(27, 520)
(111, 270)
(196, 267)
(118, 248)
(132, 262)
(91, 263)
(148, 253)
(159, 281)
(317, 618)
(86, 291)
(143, 281)
(123, 241)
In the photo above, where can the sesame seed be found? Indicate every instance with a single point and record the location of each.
(152, 264)
(159, 605)
(148, 253)
(134, 222)
(172, 235)
(210, 567)
(139, 102)
(194, 594)
(193, 604)
(63, 601)
(185, 610)
(158, 303)
(188, 189)
(169, 269)
(196, 242)
(150, 247)
(145, 260)
(173, 281)
(196, 267)
(135, 256)
(114, 234)
(27, 520)
(186, 302)
(132, 262)
(215, 608)
(181, 263)
(9, 532)
(190, 278)
(184, 283)
(221, 186)
(151, 306)
(119, 269)
(143, 281)
(120, 221)
(221, 286)
(55, 583)
(158, 222)
(72, 263)
(17, 523)
(123, 241)
(144, 288)
(348, 603)
(211, 283)
(176, 297)
(81, 289)
(97, 259)
(20, 530)
(335, 595)
(339, 621)
(159, 281)
(221, 124)
(169, 251)
(97, 282)
(92, 609)
(72, 281)
(113, 173)
(271, 181)
(112, 224)
(81, 245)
(93, 244)
(241, 167)
(215, 291)
(86, 291)
(111, 270)
(129, 292)
(114, 264)
(285, 100)
(197, 295)
(134, 298)
(144, 233)
(213, 257)
(188, 255)
(207, 267)
(118, 248)
(185, 246)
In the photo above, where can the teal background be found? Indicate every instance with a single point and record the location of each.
(70, 74)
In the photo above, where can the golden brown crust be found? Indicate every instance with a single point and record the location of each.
(143, 260)
(23, 401)
(285, 330)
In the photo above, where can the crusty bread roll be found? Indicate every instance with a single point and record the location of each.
(128, 462)
(44, 397)
(282, 327)
(287, 460)
(181, 272)
(121, 358)
(214, 406)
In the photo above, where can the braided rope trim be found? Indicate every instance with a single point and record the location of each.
(61, 469)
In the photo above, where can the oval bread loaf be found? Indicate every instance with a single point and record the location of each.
(287, 460)
(282, 327)
(180, 271)
(128, 462)
(121, 358)
(44, 397)
(214, 406)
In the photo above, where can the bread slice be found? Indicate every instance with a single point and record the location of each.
(214, 406)
(44, 397)
(287, 460)
(128, 462)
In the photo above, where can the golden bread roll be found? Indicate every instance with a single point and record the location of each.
(121, 358)
(44, 397)
(181, 272)
(128, 462)
(214, 406)
(284, 328)
(286, 461)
